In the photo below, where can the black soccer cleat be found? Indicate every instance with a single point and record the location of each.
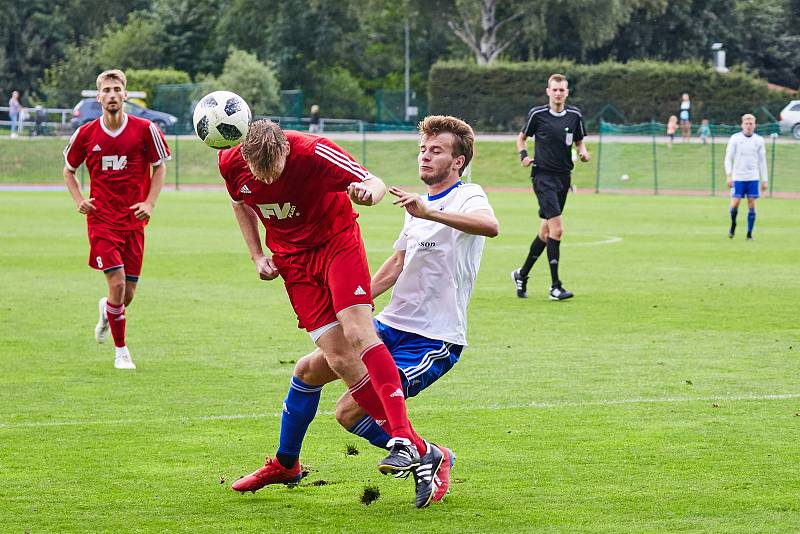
(749, 237)
(559, 293)
(732, 231)
(424, 474)
(521, 283)
(402, 457)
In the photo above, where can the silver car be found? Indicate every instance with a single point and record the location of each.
(790, 119)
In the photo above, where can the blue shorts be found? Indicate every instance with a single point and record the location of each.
(747, 189)
(420, 360)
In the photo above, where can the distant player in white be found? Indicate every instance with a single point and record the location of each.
(433, 271)
(745, 169)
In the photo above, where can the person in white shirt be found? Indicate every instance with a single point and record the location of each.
(433, 270)
(746, 170)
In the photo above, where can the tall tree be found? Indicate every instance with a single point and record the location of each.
(479, 24)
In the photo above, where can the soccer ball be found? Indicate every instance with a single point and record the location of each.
(221, 119)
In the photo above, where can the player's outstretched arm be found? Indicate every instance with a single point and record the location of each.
(583, 152)
(71, 181)
(478, 222)
(388, 273)
(367, 193)
(248, 224)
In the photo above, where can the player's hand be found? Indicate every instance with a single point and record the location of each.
(729, 182)
(360, 194)
(266, 268)
(412, 202)
(584, 156)
(85, 206)
(763, 186)
(143, 210)
(527, 161)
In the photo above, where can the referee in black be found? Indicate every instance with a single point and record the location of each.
(554, 127)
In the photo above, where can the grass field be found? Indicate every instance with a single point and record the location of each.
(663, 397)
(685, 167)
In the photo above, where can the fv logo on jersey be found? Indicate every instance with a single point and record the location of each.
(284, 211)
(114, 163)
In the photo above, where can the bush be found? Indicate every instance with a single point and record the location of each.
(498, 97)
(147, 79)
(251, 79)
(338, 94)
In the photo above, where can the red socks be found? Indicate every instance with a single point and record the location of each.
(384, 381)
(116, 321)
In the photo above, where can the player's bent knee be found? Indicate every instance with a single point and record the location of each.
(348, 412)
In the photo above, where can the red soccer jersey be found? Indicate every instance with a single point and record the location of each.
(308, 204)
(119, 167)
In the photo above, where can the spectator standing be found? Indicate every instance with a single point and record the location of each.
(14, 109)
(315, 124)
(686, 118)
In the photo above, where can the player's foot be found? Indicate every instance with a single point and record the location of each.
(101, 330)
(521, 283)
(732, 231)
(429, 464)
(559, 293)
(442, 477)
(749, 237)
(272, 473)
(123, 360)
(402, 457)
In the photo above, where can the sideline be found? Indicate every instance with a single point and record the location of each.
(542, 405)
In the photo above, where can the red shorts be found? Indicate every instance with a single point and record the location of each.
(326, 280)
(112, 249)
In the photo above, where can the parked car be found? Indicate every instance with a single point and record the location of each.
(89, 109)
(790, 119)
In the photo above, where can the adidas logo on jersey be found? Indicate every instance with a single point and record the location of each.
(96, 148)
(359, 291)
(245, 190)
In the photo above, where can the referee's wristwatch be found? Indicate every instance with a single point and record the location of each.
(523, 154)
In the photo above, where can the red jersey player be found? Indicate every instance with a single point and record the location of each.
(119, 150)
(298, 185)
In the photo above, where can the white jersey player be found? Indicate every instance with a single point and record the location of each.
(746, 171)
(424, 326)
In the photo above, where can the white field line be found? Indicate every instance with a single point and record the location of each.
(542, 405)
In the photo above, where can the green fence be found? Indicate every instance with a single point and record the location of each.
(642, 158)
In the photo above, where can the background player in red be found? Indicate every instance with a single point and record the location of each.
(298, 185)
(119, 151)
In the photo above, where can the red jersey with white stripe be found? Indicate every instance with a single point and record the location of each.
(119, 167)
(307, 205)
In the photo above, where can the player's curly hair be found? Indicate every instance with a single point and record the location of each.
(462, 132)
(113, 74)
(264, 149)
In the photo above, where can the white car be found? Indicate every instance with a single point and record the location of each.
(790, 119)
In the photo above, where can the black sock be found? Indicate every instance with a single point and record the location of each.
(553, 254)
(286, 460)
(533, 254)
(734, 213)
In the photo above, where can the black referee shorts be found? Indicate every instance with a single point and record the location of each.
(551, 192)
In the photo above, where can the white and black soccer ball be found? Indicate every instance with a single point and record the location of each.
(221, 119)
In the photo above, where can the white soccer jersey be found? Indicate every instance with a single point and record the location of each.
(746, 158)
(431, 295)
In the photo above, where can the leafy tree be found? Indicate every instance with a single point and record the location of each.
(190, 33)
(251, 79)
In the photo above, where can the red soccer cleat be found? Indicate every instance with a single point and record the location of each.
(272, 473)
(441, 479)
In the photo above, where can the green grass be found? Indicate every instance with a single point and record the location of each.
(663, 397)
(685, 167)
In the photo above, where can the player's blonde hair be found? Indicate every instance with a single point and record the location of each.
(265, 148)
(464, 137)
(749, 116)
(557, 78)
(113, 74)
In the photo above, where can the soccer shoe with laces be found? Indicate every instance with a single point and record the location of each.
(402, 457)
(424, 473)
(123, 360)
(442, 477)
(521, 283)
(559, 293)
(102, 328)
(272, 473)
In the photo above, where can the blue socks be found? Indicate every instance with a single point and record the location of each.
(368, 429)
(299, 409)
(751, 220)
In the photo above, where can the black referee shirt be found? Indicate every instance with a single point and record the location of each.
(553, 135)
